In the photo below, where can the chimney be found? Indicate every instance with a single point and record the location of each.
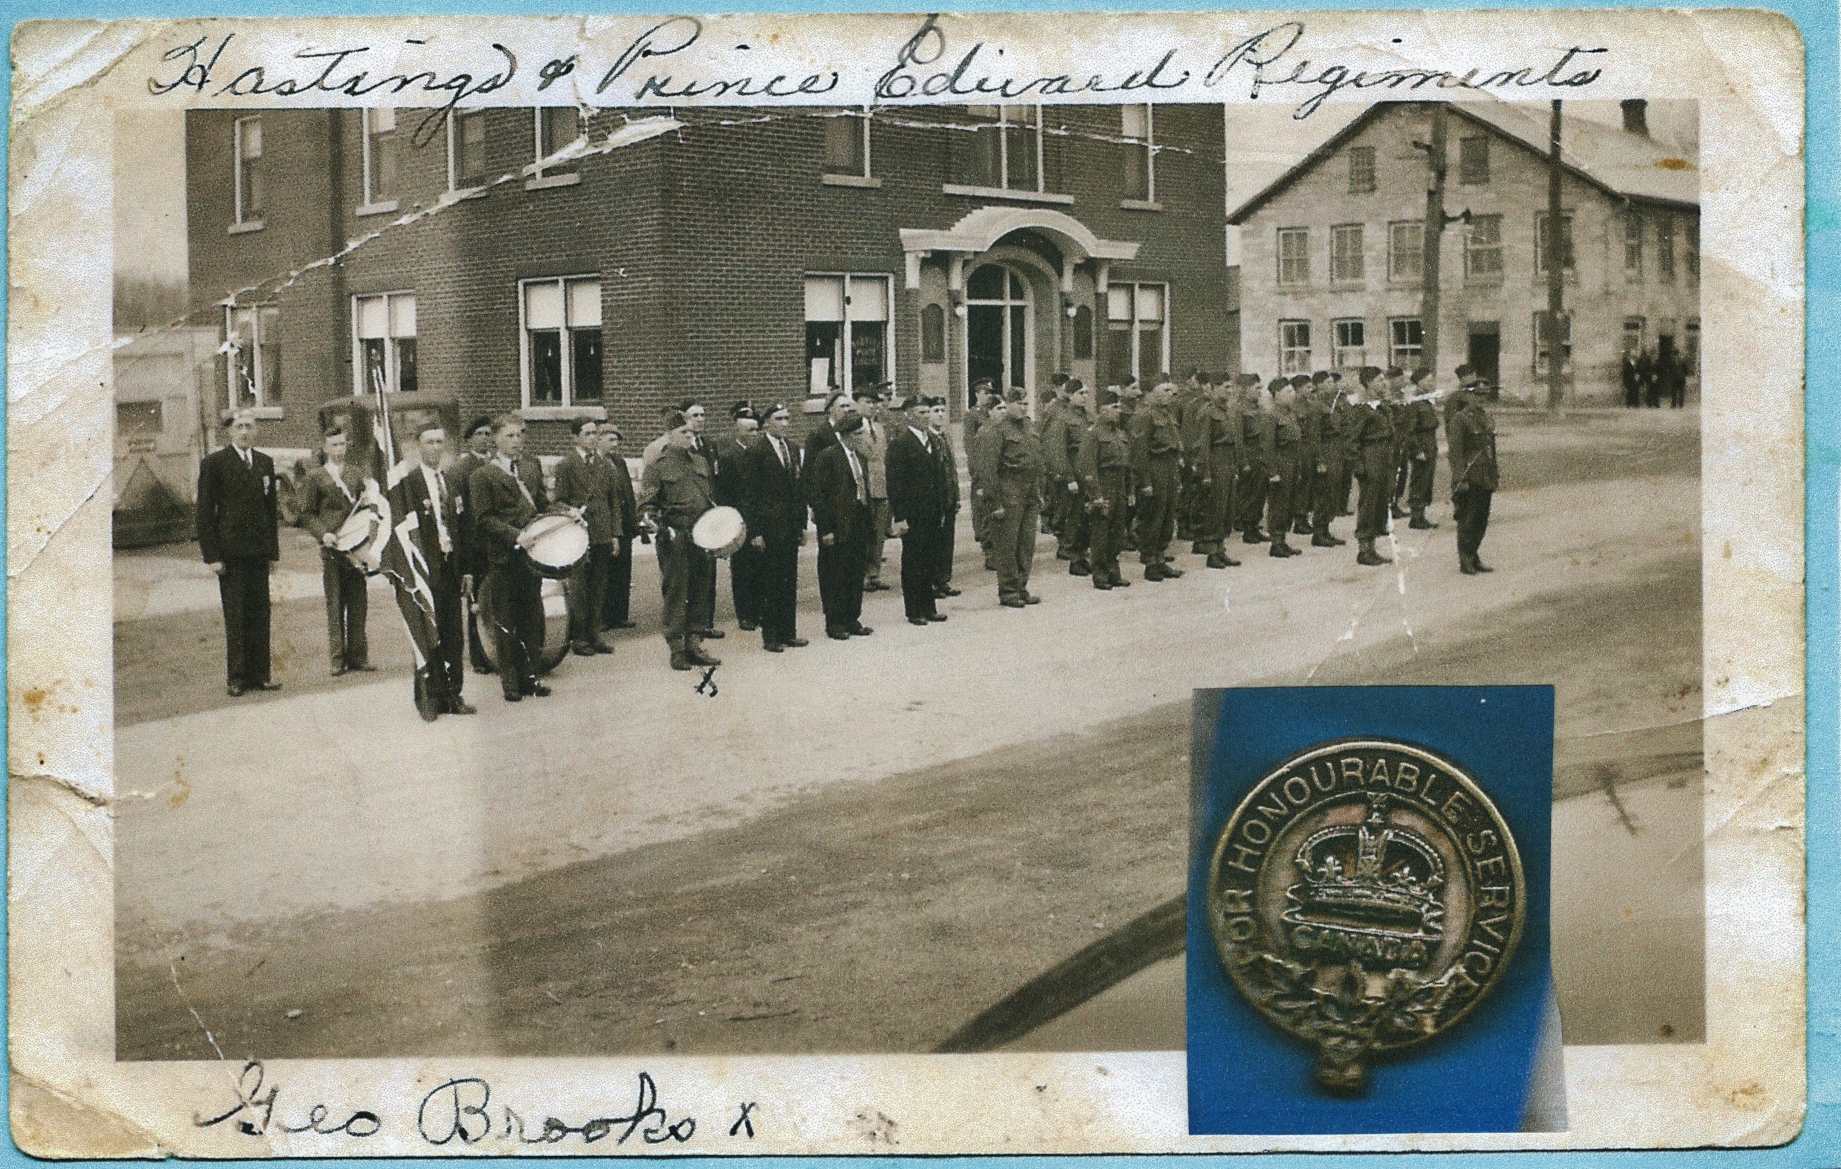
(1636, 116)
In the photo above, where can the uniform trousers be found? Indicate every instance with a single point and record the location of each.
(687, 582)
(1419, 491)
(1156, 518)
(840, 581)
(1283, 497)
(512, 598)
(981, 512)
(779, 580)
(745, 583)
(1471, 510)
(1218, 508)
(949, 540)
(1326, 499)
(1250, 499)
(619, 585)
(920, 568)
(347, 606)
(243, 589)
(1106, 529)
(1375, 472)
(1074, 523)
(1013, 535)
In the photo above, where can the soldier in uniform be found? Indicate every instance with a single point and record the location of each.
(1394, 406)
(1009, 474)
(238, 538)
(1371, 444)
(1282, 464)
(1156, 463)
(984, 397)
(507, 494)
(1046, 413)
(328, 497)
(1191, 406)
(1104, 466)
(478, 439)
(616, 609)
(837, 486)
(745, 564)
(1471, 435)
(1325, 500)
(1254, 486)
(949, 470)
(1131, 397)
(1061, 447)
(1422, 439)
(677, 489)
(1218, 438)
(1304, 409)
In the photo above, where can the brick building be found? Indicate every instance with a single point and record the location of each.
(1332, 252)
(516, 259)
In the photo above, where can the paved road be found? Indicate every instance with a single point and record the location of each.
(855, 847)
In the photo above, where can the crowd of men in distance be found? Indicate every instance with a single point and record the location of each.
(1650, 377)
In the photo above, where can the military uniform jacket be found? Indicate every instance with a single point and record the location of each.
(773, 493)
(1472, 436)
(588, 483)
(1104, 463)
(679, 486)
(237, 507)
(1313, 429)
(974, 421)
(1422, 419)
(1192, 417)
(324, 506)
(1222, 457)
(728, 482)
(1061, 443)
(501, 509)
(1370, 427)
(1155, 437)
(1258, 438)
(1287, 431)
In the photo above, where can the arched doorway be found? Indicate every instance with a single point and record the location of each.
(999, 327)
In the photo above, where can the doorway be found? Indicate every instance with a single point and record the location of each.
(1484, 353)
(997, 328)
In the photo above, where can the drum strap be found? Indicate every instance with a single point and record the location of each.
(338, 477)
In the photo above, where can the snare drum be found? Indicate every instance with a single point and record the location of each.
(361, 538)
(555, 544)
(720, 532)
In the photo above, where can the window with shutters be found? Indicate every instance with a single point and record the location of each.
(383, 343)
(561, 352)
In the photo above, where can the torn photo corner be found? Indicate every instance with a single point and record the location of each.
(657, 581)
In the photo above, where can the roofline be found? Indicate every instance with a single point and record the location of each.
(1245, 211)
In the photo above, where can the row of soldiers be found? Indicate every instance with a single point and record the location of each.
(1122, 469)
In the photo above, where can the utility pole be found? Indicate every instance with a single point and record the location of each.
(1559, 248)
(1434, 237)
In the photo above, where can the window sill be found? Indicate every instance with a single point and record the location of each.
(562, 413)
(460, 194)
(1140, 205)
(1348, 286)
(868, 182)
(248, 225)
(1006, 193)
(546, 182)
(383, 207)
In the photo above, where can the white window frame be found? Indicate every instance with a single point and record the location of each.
(242, 217)
(1395, 253)
(1338, 232)
(1288, 362)
(454, 189)
(1302, 233)
(366, 120)
(1395, 348)
(259, 388)
(863, 117)
(568, 348)
(392, 371)
(1373, 164)
(1338, 349)
(1135, 326)
(1472, 250)
(1003, 125)
(1665, 248)
(1149, 144)
(846, 375)
(541, 177)
(1633, 246)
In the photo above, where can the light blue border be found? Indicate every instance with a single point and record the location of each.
(1819, 1147)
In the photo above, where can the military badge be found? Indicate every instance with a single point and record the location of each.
(1365, 896)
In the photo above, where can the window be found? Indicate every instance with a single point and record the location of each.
(1294, 255)
(933, 334)
(1541, 231)
(1346, 252)
(1349, 344)
(1083, 333)
(1473, 160)
(1633, 246)
(1137, 340)
(380, 180)
(1483, 248)
(1361, 169)
(1665, 248)
(252, 334)
(1406, 251)
(562, 341)
(247, 133)
(1691, 241)
(466, 150)
(847, 332)
(1690, 345)
(847, 144)
(1294, 347)
(1005, 148)
(1633, 336)
(553, 127)
(1405, 342)
(384, 352)
(1135, 126)
(1543, 340)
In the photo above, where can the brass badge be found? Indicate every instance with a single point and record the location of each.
(1365, 896)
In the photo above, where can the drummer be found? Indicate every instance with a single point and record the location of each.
(329, 495)
(677, 489)
(507, 494)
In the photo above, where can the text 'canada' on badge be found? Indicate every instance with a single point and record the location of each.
(1365, 896)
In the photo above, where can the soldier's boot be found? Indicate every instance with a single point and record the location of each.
(1170, 571)
(693, 649)
(1477, 563)
(1217, 560)
(1254, 536)
(1280, 548)
(1119, 582)
(1102, 582)
(1153, 572)
(1394, 509)
(1367, 554)
(680, 660)
(1301, 528)
(1419, 521)
(1463, 564)
(1080, 567)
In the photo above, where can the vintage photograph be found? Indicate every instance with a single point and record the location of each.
(602, 581)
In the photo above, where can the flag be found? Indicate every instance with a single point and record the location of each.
(401, 560)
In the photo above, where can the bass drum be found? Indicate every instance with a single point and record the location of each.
(555, 630)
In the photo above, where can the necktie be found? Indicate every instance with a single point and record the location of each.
(780, 452)
(856, 474)
(441, 535)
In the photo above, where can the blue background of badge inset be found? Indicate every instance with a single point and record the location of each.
(1247, 1076)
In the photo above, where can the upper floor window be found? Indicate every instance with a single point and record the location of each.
(553, 128)
(561, 350)
(1473, 160)
(247, 136)
(380, 179)
(1294, 255)
(466, 150)
(847, 143)
(1406, 250)
(1543, 245)
(1665, 248)
(1405, 342)
(1136, 126)
(384, 348)
(1633, 245)
(1346, 252)
(1483, 248)
(1361, 169)
(1004, 148)
(253, 333)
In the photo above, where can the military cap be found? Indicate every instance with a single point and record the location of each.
(902, 404)
(1464, 371)
(1419, 375)
(1368, 373)
(1395, 371)
(674, 420)
(776, 408)
(1015, 394)
(933, 400)
(1075, 385)
(1277, 384)
(1321, 376)
(1300, 381)
(483, 422)
(742, 409)
(1109, 396)
(1247, 381)
(1058, 379)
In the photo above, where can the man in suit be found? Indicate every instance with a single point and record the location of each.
(617, 605)
(507, 494)
(1471, 435)
(1626, 372)
(478, 438)
(426, 500)
(582, 482)
(869, 405)
(238, 539)
(678, 488)
(839, 412)
(917, 509)
(1008, 470)
(745, 564)
(949, 473)
(837, 487)
(772, 503)
(329, 495)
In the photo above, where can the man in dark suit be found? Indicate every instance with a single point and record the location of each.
(507, 494)
(839, 412)
(616, 608)
(426, 501)
(1626, 372)
(745, 564)
(949, 472)
(478, 438)
(583, 482)
(238, 540)
(917, 506)
(329, 495)
(837, 486)
(772, 503)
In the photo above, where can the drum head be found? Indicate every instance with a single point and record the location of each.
(556, 543)
(357, 530)
(719, 531)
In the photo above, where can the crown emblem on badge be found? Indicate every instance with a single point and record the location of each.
(1377, 881)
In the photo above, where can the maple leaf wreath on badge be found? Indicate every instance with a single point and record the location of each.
(1365, 896)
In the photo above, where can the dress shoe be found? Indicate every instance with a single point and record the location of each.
(1063, 554)
(699, 658)
(1170, 571)
(1080, 568)
(773, 647)
(749, 626)
(1101, 583)
(837, 635)
(936, 617)
(336, 672)
(1463, 565)
(710, 634)
(1199, 548)
(1217, 560)
(859, 630)
(875, 586)
(234, 691)
(1153, 572)
(537, 690)
(1419, 523)
(1030, 598)
(1397, 512)
(459, 707)
(269, 685)
(917, 621)
(1119, 582)
(487, 670)
(1478, 564)
(625, 625)
(514, 697)
(795, 643)
(429, 709)
(1012, 602)
(582, 650)
(949, 591)
(601, 647)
